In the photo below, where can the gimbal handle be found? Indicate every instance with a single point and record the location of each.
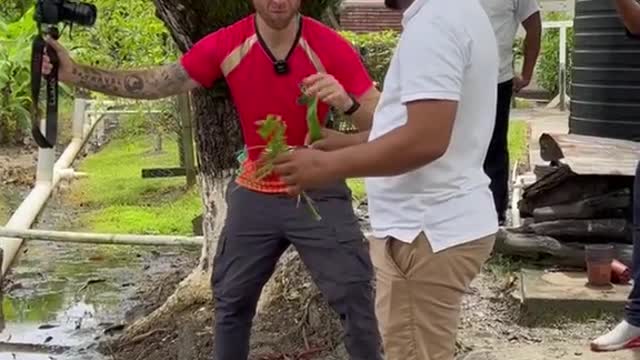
(47, 140)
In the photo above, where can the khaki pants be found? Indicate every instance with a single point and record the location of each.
(419, 293)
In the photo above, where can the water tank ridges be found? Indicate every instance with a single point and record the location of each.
(605, 89)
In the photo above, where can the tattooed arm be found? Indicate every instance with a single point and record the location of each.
(154, 83)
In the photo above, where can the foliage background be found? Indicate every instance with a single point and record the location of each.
(128, 34)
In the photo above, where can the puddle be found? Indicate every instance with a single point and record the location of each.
(66, 295)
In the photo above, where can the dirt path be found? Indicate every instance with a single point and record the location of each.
(550, 351)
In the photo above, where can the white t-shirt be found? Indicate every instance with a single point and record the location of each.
(506, 16)
(448, 52)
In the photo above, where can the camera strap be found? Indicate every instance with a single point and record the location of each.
(48, 140)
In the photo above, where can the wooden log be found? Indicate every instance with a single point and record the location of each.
(613, 229)
(163, 173)
(611, 205)
(562, 186)
(547, 250)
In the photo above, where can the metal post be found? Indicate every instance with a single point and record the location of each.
(79, 107)
(562, 78)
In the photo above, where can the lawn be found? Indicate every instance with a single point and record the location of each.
(123, 202)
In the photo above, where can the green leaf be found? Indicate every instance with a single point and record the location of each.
(315, 132)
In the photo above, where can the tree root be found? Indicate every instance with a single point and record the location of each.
(193, 290)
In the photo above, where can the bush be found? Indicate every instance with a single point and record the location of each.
(15, 70)
(377, 49)
(547, 67)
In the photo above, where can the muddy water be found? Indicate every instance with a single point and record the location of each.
(67, 295)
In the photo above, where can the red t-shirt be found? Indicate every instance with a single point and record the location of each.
(236, 52)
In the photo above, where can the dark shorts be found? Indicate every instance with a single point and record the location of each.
(258, 229)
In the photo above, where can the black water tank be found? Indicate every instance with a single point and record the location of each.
(605, 89)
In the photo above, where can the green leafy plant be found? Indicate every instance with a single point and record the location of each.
(12, 10)
(272, 131)
(547, 68)
(376, 49)
(15, 70)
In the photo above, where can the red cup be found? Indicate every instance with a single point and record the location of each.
(620, 273)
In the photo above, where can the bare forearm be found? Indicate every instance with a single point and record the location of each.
(629, 11)
(393, 154)
(531, 45)
(137, 84)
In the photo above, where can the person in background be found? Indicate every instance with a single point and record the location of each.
(264, 59)
(626, 335)
(506, 16)
(431, 210)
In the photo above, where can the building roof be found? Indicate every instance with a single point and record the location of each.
(369, 15)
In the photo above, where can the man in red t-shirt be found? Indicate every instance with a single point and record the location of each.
(266, 59)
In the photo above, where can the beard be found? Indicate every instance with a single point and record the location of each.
(278, 22)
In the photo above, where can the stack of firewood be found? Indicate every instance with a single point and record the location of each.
(583, 196)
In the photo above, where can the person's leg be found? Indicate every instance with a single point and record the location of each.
(627, 333)
(419, 294)
(249, 248)
(496, 164)
(335, 252)
(632, 310)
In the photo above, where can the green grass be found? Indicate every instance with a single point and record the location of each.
(518, 141)
(123, 202)
(357, 189)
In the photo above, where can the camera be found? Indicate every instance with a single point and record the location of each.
(48, 14)
(65, 11)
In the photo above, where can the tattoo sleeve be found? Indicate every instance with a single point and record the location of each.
(155, 83)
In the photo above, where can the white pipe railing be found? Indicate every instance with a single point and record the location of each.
(105, 239)
(48, 174)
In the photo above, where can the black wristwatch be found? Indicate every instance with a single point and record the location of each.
(354, 107)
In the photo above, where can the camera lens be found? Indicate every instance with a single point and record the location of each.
(79, 13)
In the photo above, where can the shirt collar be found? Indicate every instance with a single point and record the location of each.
(412, 11)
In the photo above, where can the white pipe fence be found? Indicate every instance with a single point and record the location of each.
(562, 98)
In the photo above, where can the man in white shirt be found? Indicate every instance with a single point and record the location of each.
(431, 210)
(506, 16)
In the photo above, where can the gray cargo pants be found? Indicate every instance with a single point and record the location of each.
(258, 229)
